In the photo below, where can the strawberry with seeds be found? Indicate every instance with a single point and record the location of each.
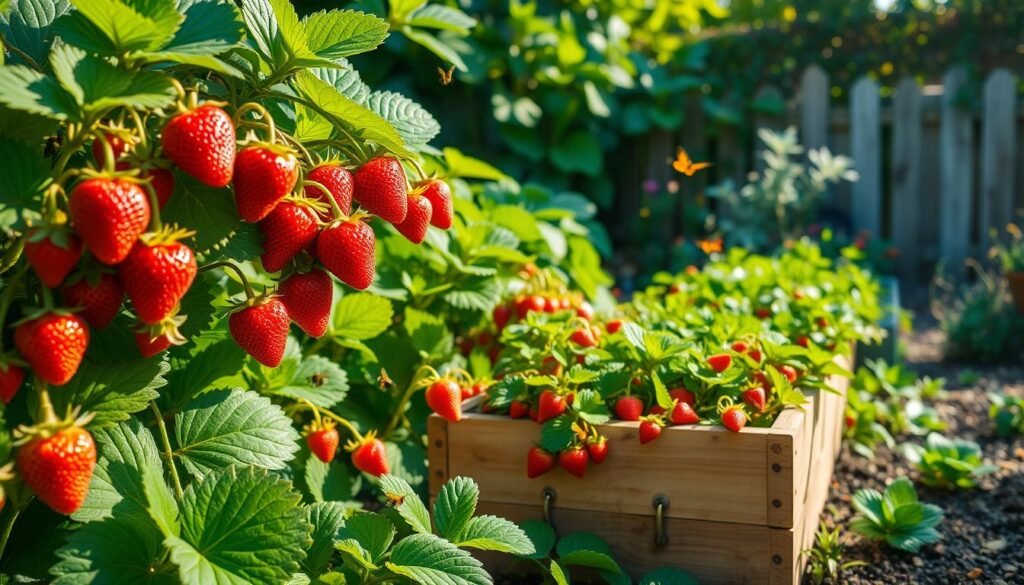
(336, 180)
(200, 140)
(629, 408)
(308, 298)
(53, 344)
(109, 214)
(322, 439)
(574, 460)
(156, 338)
(157, 274)
(734, 419)
(444, 397)
(265, 173)
(289, 228)
(380, 187)
(52, 252)
(57, 463)
(550, 405)
(650, 429)
(417, 219)
(369, 455)
(597, 448)
(12, 374)
(539, 462)
(440, 196)
(260, 327)
(97, 296)
(347, 249)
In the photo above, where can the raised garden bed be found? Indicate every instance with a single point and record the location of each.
(734, 507)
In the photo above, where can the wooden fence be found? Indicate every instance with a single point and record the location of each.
(934, 175)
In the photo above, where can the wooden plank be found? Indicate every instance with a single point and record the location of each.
(437, 452)
(957, 171)
(905, 176)
(786, 467)
(814, 100)
(866, 150)
(998, 152)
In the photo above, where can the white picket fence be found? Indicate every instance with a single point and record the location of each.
(935, 176)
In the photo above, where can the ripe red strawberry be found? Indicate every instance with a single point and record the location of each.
(337, 180)
(417, 219)
(444, 397)
(734, 419)
(821, 322)
(720, 362)
(755, 354)
(148, 345)
(201, 142)
(347, 249)
(58, 468)
(52, 254)
(518, 409)
(585, 310)
(286, 231)
(683, 395)
(597, 448)
(524, 305)
(371, 457)
(740, 346)
(162, 181)
(156, 275)
(803, 340)
(539, 462)
(501, 315)
(584, 337)
(11, 377)
(117, 148)
(614, 326)
(763, 313)
(309, 298)
(98, 297)
(552, 305)
(440, 196)
(264, 175)
(649, 430)
(754, 398)
(380, 187)
(788, 371)
(261, 329)
(574, 460)
(109, 215)
(629, 408)
(323, 442)
(53, 345)
(683, 414)
(550, 405)
(550, 365)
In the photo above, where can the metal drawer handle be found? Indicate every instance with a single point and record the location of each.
(660, 503)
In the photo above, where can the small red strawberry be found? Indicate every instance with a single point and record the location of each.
(763, 313)
(501, 315)
(574, 460)
(444, 397)
(52, 254)
(585, 310)
(109, 215)
(380, 187)
(720, 362)
(614, 326)
(417, 219)
(550, 405)
(803, 340)
(156, 338)
(323, 442)
(527, 304)
(371, 457)
(683, 414)
(58, 467)
(552, 305)
(518, 409)
(11, 377)
(309, 298)
(584, 337)
(629, 408)
(162, 181)
(683, 395)
(201, 142)
(754, 398)
(755, 354)
(348, 249)
(53, 344)
(788, 371)
(264, 175)
(440, 196)
(288, 229)
(337, 180)
(597, 448)
(649, 430)
(157, 274)
(97, 296)
(739, 346)
(734, 419)
(117, 148)
(261, 329)
(539, 462)
(151, 346)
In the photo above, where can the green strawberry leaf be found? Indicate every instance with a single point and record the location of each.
(28, 26)
(125, 451)
(455, 506)
(373, 532)
(442, 17)
(112, 392)
(318, 380)
(361, 316)
(409, 505)
(467, 167)
(342, 33)
(425, 558)
(329, 482)
(435, 46)
(428, 332)
(412, 121)
(201, 369)
(115, 27)
(222, 428)
(327, 519)
(95, 85)
(117, 550)
(493, 533)
(542, 535)
(589, 558)
(23, 176)
(207, 211)
(557, 433)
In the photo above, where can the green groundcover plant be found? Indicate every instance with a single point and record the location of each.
(896, 517)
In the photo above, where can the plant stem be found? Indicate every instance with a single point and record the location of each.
(249, 293)
(400, 407)
(335, 208)
(178, 492)
(46, 411)
(6, 526)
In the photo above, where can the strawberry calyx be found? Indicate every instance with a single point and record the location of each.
(168, 328)
(6, 474)
(48, 428)
(358, 441)
(165, 235)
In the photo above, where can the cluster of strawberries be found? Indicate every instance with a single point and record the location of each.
(369, 454)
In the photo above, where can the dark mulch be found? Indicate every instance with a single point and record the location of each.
(983, 532)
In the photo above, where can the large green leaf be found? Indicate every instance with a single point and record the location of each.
(328, 482)
(27, 90)
(210, 28)
(125, 451)
(327, 519)
(318, 380)
(373, 532)
(442, 17)
(23, 175)
(467, 167)
(114, 27)
(111, 392)
(200, 369)
(455, 505)
(275, 29)
(428, 332)
(415, 124)
(427, 559)
(233, 427)
(96, 85)
(361, 316)
(493, 533)
(435, 46)
(28, 27)
(341, 33)
(240, 526)
(115, 551)
(541, 535)
(410, 507)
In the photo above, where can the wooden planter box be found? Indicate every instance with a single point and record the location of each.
(737, 507)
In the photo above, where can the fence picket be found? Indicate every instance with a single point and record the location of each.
(814, 100)
(866, 149)
(998, 151)
(956, 169)
(905, 175)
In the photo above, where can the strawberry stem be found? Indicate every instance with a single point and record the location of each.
(10, 515)
(249, 293)
(335, 208)
(49, 416)
(419, 168)
(168, 453)
(414, 385)
(268, 120)
(155, 225)
(140, 126)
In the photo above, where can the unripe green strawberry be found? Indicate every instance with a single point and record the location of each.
(264, 175)
(444, 397)
(380, 187)
(323, 442)
(156, 275)
(309, 298)
(58, 468)
(52, 254)
(347, 249)
(53, 344)
(440, 196)
(417, 219)
(201, 142)
(261, 330)
(371, 457)
(109, 215)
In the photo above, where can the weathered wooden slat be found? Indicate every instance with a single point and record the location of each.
(814, 104)
(866, 150)
(957, 170)
(905, 177)
(998, 151)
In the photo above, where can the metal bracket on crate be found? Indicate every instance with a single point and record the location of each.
(549, 495)
(660, 503)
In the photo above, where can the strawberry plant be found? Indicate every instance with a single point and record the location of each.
(896, 516)
(1007, 414)
(825, 558)
(948, 463)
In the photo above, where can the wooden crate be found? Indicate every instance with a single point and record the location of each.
(740, 506)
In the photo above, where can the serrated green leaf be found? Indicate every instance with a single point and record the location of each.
(26, 90)
(429, 560)
(435, 46)
(467, 167)
(557, 433)
(327, 519)
(480, 294)
(346, 80)
(23, 175)
(200, 370)
(162, 507)
(361, 316)
(28, 27)
(660, 391)
(318, 380)
(328, 482)
(591, 407)
(114, 27)
(429, 333)
(455, 506)
(497, 534)
(558, 574)
(342, 33)
(442, 17)
(582, 541)
(246, 527)
(117, 551)
(412, 121)
(410, 507)
(96, 85)
(112, 392)
(125, 451)
(542, 535)
(233, 427)
(589, 558)
(373, 532)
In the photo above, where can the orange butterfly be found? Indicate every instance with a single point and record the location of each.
(446, 76)
(684, 164)
(710, 246)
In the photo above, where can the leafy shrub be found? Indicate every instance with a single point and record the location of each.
(980, 321)
(948, 463)
(825, 558)
(1009, 253)
(896, 516)
(1007, 414)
